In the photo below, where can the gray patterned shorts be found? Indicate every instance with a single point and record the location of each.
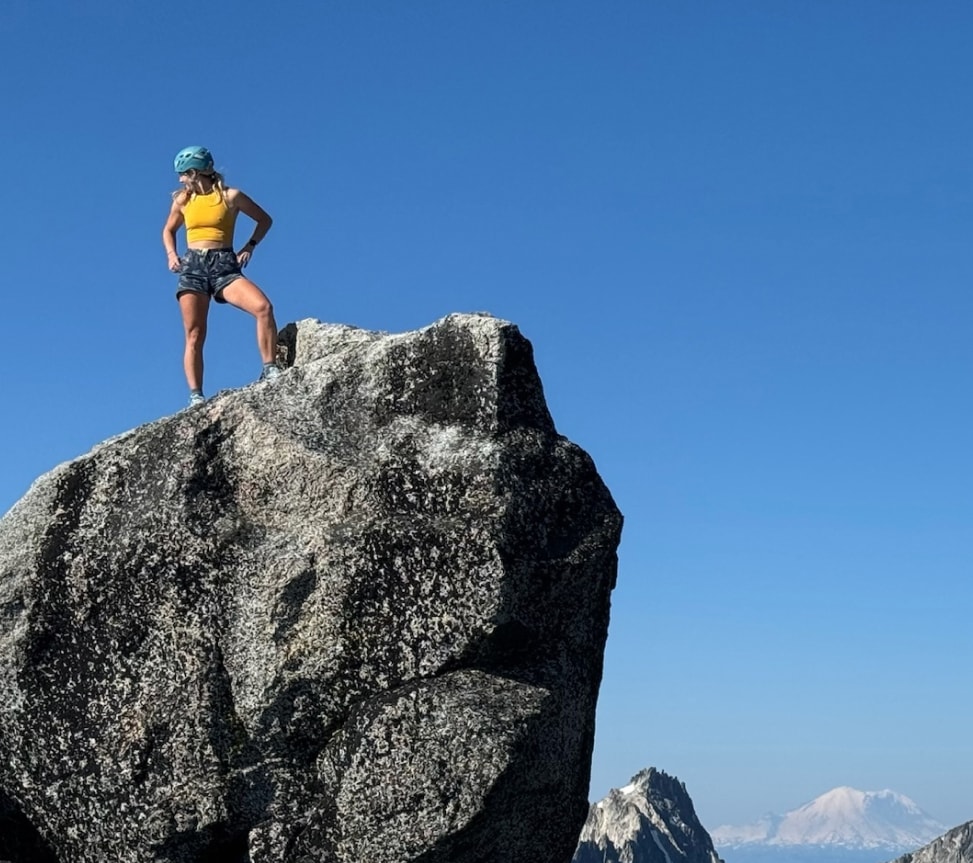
(207, 271)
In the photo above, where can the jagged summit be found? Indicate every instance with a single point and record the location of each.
(642, 781)
(650, 820)
(844, 817)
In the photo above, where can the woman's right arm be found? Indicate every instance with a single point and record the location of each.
(173, 223)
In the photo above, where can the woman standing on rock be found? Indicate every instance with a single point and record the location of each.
(210, 267)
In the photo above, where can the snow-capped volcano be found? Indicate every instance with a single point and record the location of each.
(843, 817)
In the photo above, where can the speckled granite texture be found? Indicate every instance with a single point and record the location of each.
(954, 846)
(356, 615)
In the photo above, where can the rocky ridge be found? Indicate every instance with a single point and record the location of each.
(954, 846)
(354, 614)
(650, 820)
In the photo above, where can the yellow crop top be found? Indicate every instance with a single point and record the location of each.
(209, 219)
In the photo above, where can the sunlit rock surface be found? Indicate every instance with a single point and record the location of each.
(954, 846)
(356, 614)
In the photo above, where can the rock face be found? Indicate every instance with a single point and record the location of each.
(650, 820)
(356, 614)
(955, 846)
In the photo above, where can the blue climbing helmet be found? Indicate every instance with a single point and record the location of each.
(198, 158)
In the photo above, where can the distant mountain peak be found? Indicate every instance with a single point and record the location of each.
(642, 779)
(844, 817)
(650, 820)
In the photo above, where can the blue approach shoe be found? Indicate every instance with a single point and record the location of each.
(196, 398)
(270, 372)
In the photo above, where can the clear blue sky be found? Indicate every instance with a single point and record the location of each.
(738, 235)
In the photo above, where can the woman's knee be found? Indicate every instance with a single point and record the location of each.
(263, 308)
(195, 336)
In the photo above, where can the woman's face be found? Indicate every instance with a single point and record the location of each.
(193, 179)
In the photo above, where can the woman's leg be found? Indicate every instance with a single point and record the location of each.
(194, 307)
(245, 295)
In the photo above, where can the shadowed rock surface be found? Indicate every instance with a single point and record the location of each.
(357, 614)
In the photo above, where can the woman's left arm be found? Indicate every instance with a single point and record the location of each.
(251, 208)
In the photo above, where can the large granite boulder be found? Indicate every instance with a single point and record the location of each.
(356, 614)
